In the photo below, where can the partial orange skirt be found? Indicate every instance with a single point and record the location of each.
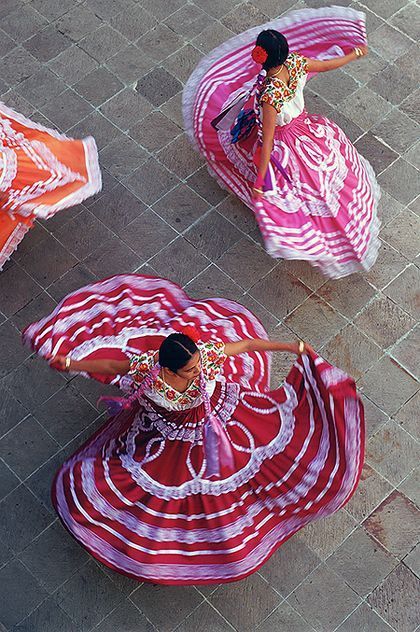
(41, 173)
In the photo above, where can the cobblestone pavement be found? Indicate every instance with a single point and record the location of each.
(115, 69)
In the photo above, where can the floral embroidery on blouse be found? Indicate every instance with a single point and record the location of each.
(212, 359)
(275, 92)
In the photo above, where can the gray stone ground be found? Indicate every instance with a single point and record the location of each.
(115, 69)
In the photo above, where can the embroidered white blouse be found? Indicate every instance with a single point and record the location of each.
(288, 99)
(212, 359)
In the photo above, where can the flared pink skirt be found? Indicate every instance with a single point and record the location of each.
(325, 210)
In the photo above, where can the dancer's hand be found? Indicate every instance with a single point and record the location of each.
(257, 195)
(359, 51)
(306, 348)
(59, 360)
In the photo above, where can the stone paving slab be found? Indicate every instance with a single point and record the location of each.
(115, 69)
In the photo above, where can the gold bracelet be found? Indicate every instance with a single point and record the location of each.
(258, 190)
(358, 52)
(67, 363)
(301, 346)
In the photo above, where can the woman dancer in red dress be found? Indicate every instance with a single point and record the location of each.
(202, 472)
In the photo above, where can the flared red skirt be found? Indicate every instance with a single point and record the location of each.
(135, 494)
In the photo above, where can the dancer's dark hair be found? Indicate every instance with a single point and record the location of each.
(176, 351)
(276, 46)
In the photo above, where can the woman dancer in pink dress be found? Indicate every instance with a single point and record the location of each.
(202, 472)
(314, 196)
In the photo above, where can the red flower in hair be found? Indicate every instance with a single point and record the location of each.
(191, 332)
(259, 54)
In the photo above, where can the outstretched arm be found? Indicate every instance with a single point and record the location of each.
(258, 344)
(331, 64)
(103, 367)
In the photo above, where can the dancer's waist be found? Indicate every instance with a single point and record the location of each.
(280, 129)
